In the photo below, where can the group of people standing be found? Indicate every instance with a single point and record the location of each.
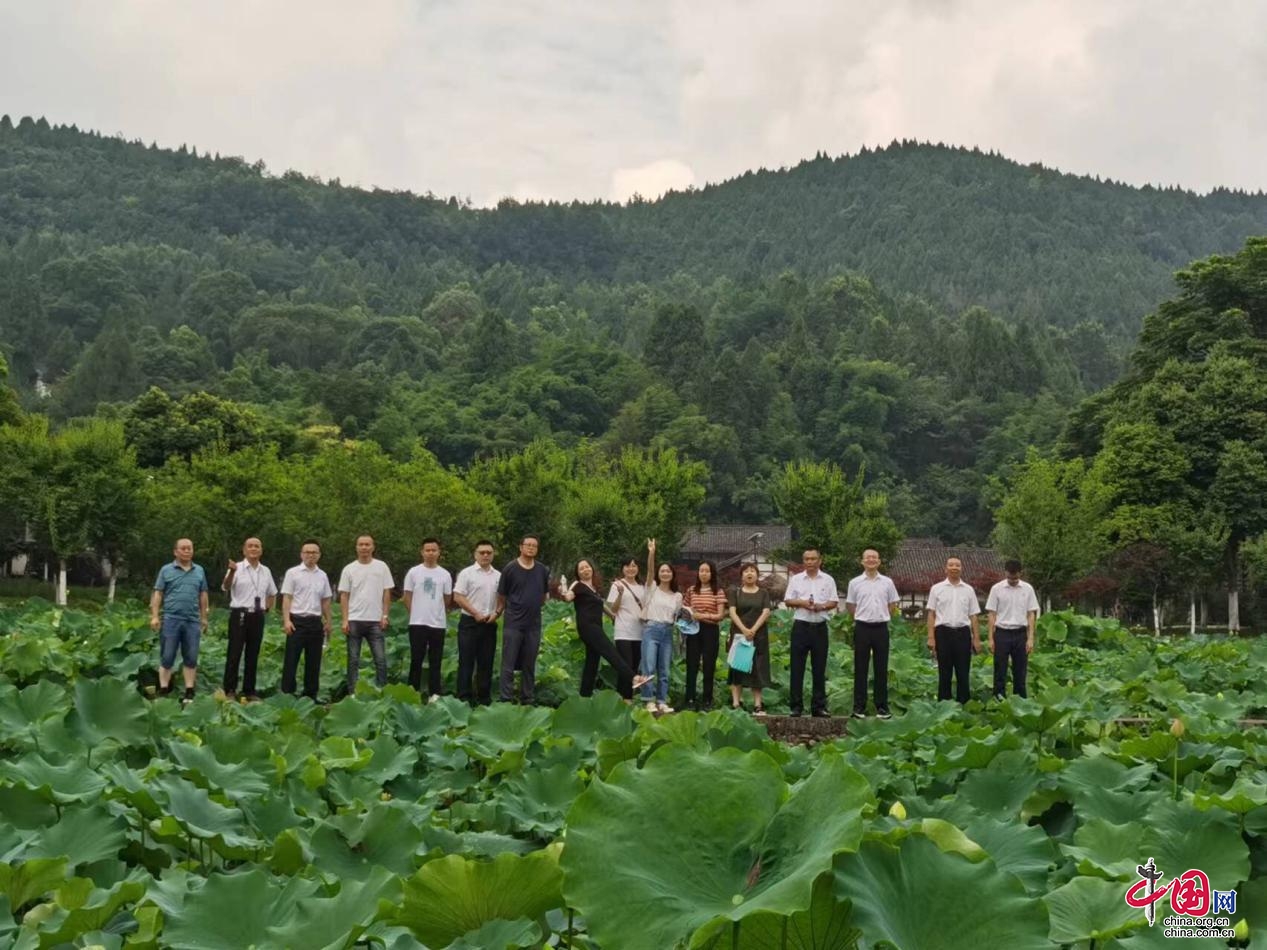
(646, 618)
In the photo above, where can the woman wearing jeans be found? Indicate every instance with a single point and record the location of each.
(659, 610)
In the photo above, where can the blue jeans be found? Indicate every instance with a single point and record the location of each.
(372, 631)
(657, 654)
(183, 633)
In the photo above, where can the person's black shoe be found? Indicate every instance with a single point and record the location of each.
(165, 690)
(821, 714)
(883, 713)
(796, 713)
(187, 698)
(858, 714)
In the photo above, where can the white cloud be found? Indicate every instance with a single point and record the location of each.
(560, 99)
(651, 180)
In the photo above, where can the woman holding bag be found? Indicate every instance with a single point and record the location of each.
(749, 611)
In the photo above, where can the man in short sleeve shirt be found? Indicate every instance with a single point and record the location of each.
(952, 630)
(1012, 610)
(252, 593)
(365, 599)
(178, 609)
(521, 593)
(812, 595)
(475, 593)
(428, 593)
(871, 600)
(306, 597)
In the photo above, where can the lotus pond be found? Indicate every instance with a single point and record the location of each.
(380, 821)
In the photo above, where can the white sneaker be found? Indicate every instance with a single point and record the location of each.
(435, 698)
(651, 706)
(665, 708)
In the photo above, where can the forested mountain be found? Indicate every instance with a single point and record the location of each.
(830, 311)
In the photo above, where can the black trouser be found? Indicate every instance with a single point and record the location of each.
(424, 641)
(631, 652)
(954, 656)
(597, 647)
(520, 646)
(1010, 642)
(477, 643)
(809, 639)
(702, 648)
(870, 640)
(308, 640)
(246, 632)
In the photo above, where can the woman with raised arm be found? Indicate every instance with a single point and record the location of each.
(659, 609)
(749, 611)
(583, 594)
(624, 602)
(707, 602)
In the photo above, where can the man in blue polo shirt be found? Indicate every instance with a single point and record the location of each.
(178, 608)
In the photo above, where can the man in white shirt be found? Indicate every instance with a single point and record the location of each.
(306, 598)
(365, 599)
(1012, 611)
(871, 600)
(252, 593)
(812, 595)
(475, 593)
(953, 636)
(428, 593)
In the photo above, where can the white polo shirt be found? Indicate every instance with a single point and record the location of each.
(872, 598)
(479, 587)
(307, 588)
(249, 585)
(823, 589)
(1011, 605)
(954, 604)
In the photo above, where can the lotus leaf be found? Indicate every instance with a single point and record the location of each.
(918, 896)
(328, 923)
(1089, 908)
(452, 896)
(500, 935)
(84, 834)
(1107, 849)
(390, 759)
(21, 710)
(1015, 848)
(24, 882)
(502, 728)
(586, 720)
(198, 815)
(826, 925)
(340, 752)
(109, 710)
(350, 845)
(204, 769)
(86, 908)
(61, 784)
(236, 911)
(754, 848)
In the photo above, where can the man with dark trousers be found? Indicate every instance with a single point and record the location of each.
(521, 593)
(1012, 611)
(306, 599)
(475, 593)
(953, 636)
(813, 597)
(252, 594)
(871, 600)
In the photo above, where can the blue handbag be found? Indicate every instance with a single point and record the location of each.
(742, 652)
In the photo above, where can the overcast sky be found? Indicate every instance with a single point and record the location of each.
(545, 99)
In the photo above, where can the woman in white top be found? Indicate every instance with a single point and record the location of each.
(659, 609)
(624, 602)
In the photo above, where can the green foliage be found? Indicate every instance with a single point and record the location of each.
(836, 514)
(381, 819)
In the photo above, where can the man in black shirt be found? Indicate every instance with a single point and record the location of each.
(521, 593)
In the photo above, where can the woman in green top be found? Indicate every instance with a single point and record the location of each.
(749, 611)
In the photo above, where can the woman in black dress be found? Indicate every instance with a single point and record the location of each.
(749, 611)
(590, 607)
